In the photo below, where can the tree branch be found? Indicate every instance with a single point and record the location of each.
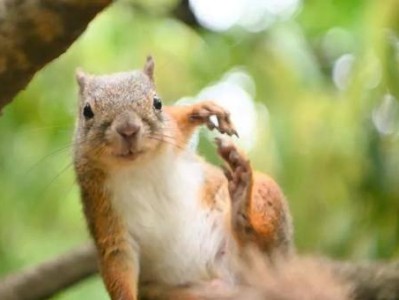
(183, 12)
(32, 33)
(48, 278)
(371, 281)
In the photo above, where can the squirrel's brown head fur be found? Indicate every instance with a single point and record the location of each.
(120, 115)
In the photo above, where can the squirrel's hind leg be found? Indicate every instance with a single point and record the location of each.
(259, 213)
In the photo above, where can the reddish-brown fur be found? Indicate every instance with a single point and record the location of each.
(259, 213)
(265, 206)
(115, 255)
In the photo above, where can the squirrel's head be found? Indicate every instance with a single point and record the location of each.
(120, 115)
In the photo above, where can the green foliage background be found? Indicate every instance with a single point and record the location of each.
(340, 174)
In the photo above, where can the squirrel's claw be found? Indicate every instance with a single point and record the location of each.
(207, 110)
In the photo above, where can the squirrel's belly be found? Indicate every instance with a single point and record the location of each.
(177, 242)
(178, 239)
(184, 254)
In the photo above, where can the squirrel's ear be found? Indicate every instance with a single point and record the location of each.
(81, 78)
(149, 67)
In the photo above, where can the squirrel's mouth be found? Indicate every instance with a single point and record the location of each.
(129, 155)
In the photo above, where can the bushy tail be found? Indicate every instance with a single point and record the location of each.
(308, 278)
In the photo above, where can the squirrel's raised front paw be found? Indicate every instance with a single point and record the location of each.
(238, 172)
(203, 112)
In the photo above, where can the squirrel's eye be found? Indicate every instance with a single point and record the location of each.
(157, 103)
(88, 112)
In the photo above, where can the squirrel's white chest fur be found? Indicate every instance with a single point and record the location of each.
(177, 237)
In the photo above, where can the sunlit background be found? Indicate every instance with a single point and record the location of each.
(313, 88)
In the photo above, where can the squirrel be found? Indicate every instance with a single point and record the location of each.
(162, 217)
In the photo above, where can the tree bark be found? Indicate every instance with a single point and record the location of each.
(34, 32)
(48, 278)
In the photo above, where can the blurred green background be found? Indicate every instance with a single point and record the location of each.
(323, 76)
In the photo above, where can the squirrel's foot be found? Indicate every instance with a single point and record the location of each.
(203, 111)
(239, 175)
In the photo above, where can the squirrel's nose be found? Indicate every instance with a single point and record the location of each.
(128, 131)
